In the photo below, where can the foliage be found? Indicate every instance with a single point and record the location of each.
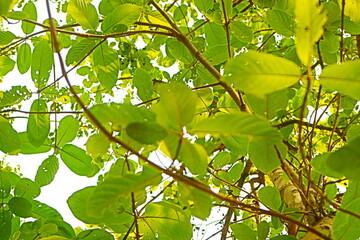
(200, 107)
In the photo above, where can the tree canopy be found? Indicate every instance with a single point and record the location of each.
(239, 118)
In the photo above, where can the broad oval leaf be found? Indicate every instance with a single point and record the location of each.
(281, 22)
(177, 105)
(80, 50)
(26, 188)
(194, 156)
(6, 65)
(261, 73)
(84, 13)
(78, 161)
(95, 234)
(41, 210)
(346, 160)
(243, 231)
(20, 206)
(28, 148)
(97, 145)
(6, 37)
(146, 132)
(9, 138)
(344, 78)
(47, 170)
(125, 14)
(106, 63)
(310, 22)
(236, 124)
(5, 185)
(143, 82)
(30, 9)
(38, 126)
(41, 63)
(68, 128)
(23, 60)
(270, 196)
(5, 221)
(79, 205)
(6, 6)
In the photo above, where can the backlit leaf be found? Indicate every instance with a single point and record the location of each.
(38, 126)
(281, 22)
(78, 51)
(6, 65)
(177, 105)
(204, 5)
(194, 156)
(23, 60)
(5, 223)
(9, 138)
(6, 37)
(6, 6)
(77, 160)
(27, 188)
(47, 171)
(68, 128)
(352, 9)
(97, 145)
(95, 234)
(146, 132)
(143, 82)
(30, 9)
(261, 73)
(270, 196)
(125, 14)
(5, 185)
(346, 160)
(310, 22)
(84, 13)
(28, 148)
(340, 77)
(106, 63)
(243, 231)
(41, 63)
(20, 206)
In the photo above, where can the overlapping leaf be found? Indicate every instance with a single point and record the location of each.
(84, 13)
(38, 126)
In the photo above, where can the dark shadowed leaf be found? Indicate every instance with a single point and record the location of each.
(146, 132)
(20, 206)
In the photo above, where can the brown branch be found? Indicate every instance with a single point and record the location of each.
(28, 112)
(307, 124)
(226, 25)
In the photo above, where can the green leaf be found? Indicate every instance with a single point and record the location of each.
(5, 185)
(194, 156)
(340, 77)
(216, 54)
(6, 6)
(199, 203)
(68, 128)
(20, 206)
(177, 105)
(169, 220)
(9, 138)
(6, 37)
(41, 63)
(80, 50)
(241, 31)
(143, 82)
(283, 237)
(236, 124)
(146, 132)
(310, 22)
(41, 210)
(270, 196)
(6, 65)
(28, 148)
(263, 229)
(319, 163)
(215, 34)
(346, 226)
(14, 96)
(94, 234)
(27, 188)
(116, 186)
(346, 160)
(107, 65)
(97, 145)
(221, 159)
(179, 51)
(204, 5)
(261, 73)
(263, 154)
(23, 60)
(78, 161)
(18, 15)
(38, 126)
(125, 14)
(84, 13)
(47, 171)
(243, 231)
(79, 203)
(30, 9)
(5, 221)
(281, 22)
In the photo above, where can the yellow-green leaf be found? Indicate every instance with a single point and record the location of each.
(310, 22)
(38, 126)
(84, 13)
(352, 9)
